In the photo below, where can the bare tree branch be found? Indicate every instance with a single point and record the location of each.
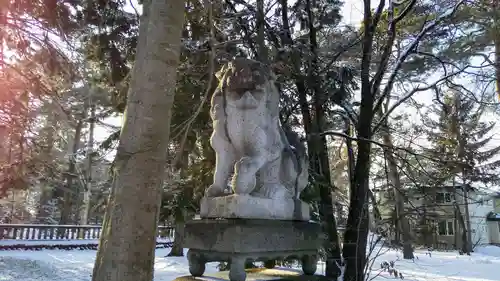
(410, 94)
(410, 49)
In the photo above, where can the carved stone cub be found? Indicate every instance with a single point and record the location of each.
(249, 141)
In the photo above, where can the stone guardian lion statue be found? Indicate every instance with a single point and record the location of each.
(248, 139)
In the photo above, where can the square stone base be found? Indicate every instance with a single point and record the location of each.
(239, 240)
(250, 207)
(248, 235)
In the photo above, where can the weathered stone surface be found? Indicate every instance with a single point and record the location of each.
(247, 236)
(260, 274)
(250, 207)
(266, 160)
(239, 240)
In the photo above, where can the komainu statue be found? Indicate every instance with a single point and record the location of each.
(263, 220)
(264, 159)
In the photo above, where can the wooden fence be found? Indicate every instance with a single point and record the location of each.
(63, 232)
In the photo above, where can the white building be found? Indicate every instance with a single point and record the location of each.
(480, 205)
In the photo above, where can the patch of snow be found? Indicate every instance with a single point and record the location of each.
(482, 265)
(12, 268)
(56, 265)
(488, 250)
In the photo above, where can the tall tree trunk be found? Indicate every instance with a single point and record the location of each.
(467, 224)
(316, 144)
(318, 151)
(180, 224)
(127, 246)
(140, 60)
(87, 192)
(180, 165)
(466, 227)
(261, 30)
(463, 170)
(496, 41)
(457, 241)
(463, 233)
(48, 145)
(356, 234)
(69, 191)
(402, 223)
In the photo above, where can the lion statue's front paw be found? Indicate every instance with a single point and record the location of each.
(243, 183)
(214, 191)
(244, 180)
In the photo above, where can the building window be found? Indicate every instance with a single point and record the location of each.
(442, 228)
(446, 228)
(447, 197)
(451, 229)
(442, 197)
(439, 197)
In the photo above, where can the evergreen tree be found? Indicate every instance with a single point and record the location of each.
(461, 139)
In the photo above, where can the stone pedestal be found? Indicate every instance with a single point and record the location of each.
(238, 240)
(250, 207)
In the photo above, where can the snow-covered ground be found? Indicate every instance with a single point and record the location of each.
(55, 265)
(483, 264)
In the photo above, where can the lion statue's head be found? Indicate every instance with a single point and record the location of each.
(246, 82)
